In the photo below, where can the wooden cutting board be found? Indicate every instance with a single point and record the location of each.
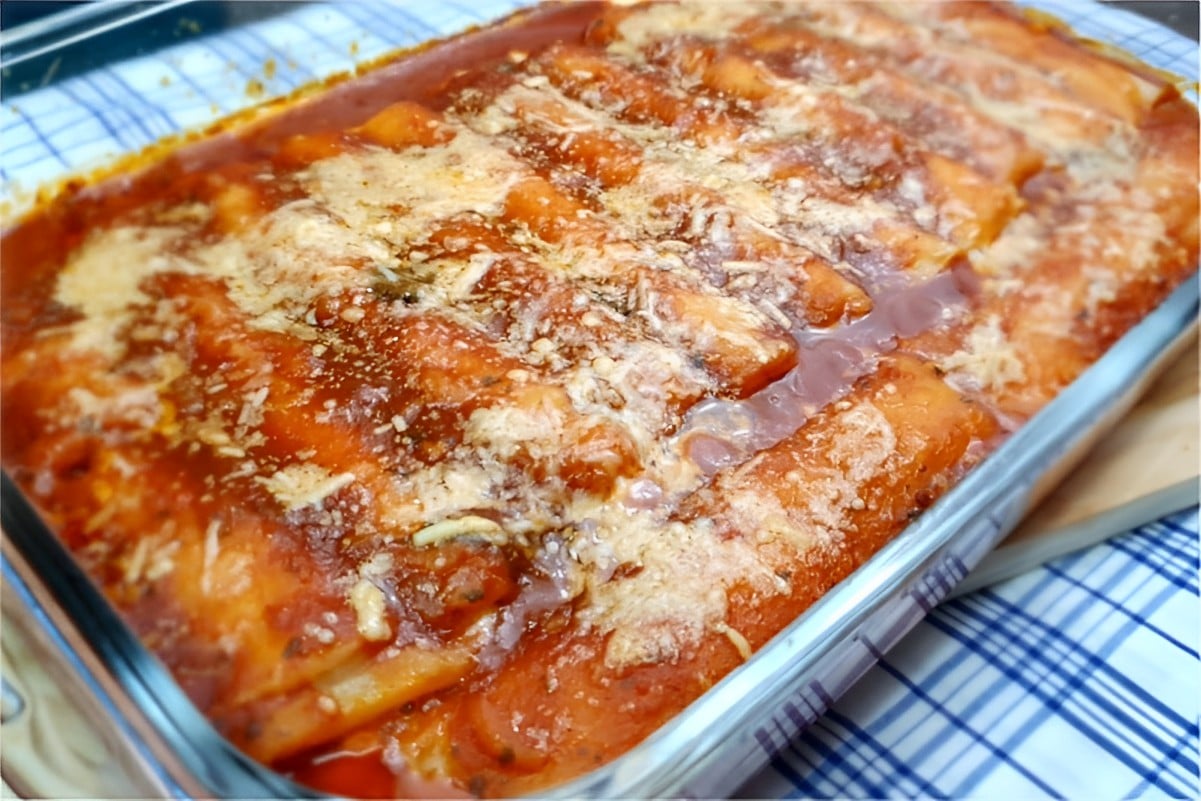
(1146, 467)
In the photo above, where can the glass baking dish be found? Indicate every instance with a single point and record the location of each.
(83, 96)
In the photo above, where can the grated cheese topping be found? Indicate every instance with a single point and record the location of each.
(586, 374)
(363, 211)
(301, 485)
(989, 361)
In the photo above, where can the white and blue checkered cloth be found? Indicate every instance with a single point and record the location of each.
(1079, 679)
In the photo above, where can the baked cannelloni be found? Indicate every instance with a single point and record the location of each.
(449, 428)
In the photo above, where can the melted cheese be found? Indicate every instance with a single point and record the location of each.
(709, 20)
(364, 190)
(989, 361)
(647, 578)
(369, 605)
(679, 592)
(305, 484)
(103, 281)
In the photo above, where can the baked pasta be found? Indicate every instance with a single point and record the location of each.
(450, 428)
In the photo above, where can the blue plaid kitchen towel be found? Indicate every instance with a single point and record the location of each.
(1079, 679)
